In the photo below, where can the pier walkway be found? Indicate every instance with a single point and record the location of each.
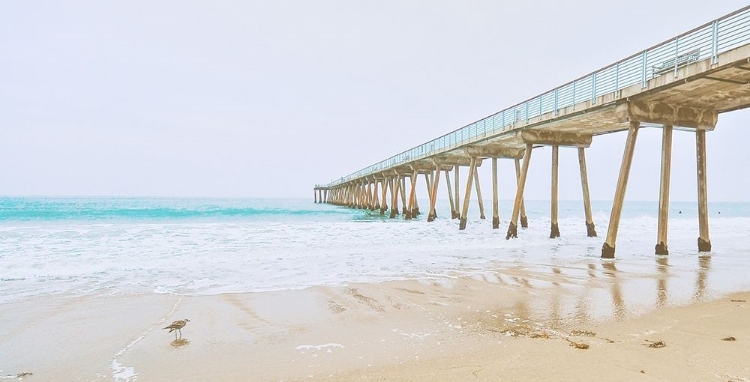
(685, 82)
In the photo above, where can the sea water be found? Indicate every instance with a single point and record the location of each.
(136, 246)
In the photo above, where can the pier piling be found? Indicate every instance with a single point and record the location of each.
(524, 220)
(395, 187)
(458, 201)
(450, 194)
(432, 215)
(479, 193)
(554, 229)
(608, 248)
(704, 242)
(590, 229)
(512, 226)
(666, 164)
(495, 203)
(467, 195)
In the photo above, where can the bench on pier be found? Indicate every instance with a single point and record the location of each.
(676, 62)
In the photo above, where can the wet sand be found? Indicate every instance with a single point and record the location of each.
(586, 321)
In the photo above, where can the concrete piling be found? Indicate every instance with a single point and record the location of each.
(432, 215)
(666, 164)
(555, 228)
(395, 187)
(590, 229)
(524, 220)
(608, 248)
(458, 201)
(479, 194)
(495, 202)
(512, 226)
(450, 194)
(704, 242)
(467, 195)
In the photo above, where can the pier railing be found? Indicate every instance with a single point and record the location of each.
(704, 42)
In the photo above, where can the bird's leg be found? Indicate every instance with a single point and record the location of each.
(180, 330)
(175, 336)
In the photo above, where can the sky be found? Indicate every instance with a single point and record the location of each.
(268, 98)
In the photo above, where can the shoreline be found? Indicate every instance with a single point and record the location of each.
(504, 324)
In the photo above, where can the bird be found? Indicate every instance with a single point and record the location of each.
(177, 325)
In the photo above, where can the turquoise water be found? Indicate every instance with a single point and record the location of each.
(105, 209)
(82, 246)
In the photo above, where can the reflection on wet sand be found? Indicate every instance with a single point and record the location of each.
(583, 293)
(617, 302)
(704, 263)
(662, 266)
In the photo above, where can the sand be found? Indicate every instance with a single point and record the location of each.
(589, 324)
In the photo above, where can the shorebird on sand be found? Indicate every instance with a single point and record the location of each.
(177, 325)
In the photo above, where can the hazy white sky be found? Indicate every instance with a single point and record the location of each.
(267, 98)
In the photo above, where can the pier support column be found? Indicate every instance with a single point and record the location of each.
(666, 164)
(495, 202)
(555, 228)
(590, 229)
(450, 194)
(513, 227)
(384, 201)
(413, 196)
(704, 242)
(404, 206)
(479, 193)
(456, 214)
(395, 187)
(428, 178)
(432, 215)
(467, 195)
(608, 249)
(375, 199)
(524, 220)
(316, 195)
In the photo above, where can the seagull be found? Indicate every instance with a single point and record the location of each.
(177, 325)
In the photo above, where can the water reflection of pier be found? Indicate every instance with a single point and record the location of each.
(602, 293)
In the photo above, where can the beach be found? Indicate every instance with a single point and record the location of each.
(280, 290)
(513, 327)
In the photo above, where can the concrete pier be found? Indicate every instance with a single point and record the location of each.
(672, 86)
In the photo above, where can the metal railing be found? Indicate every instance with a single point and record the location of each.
(704, 42)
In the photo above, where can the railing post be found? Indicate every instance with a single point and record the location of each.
(593, 88)
(676, 53)
(527, 111)
(715, 42)
(574, 95)
(540, 107)
(555, 101)
(617, 78)
(644, 59)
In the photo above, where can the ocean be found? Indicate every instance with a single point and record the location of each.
(137, 246)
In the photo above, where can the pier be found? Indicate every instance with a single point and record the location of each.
(682, 84)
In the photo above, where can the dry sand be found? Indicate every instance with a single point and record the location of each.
(510, 325)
